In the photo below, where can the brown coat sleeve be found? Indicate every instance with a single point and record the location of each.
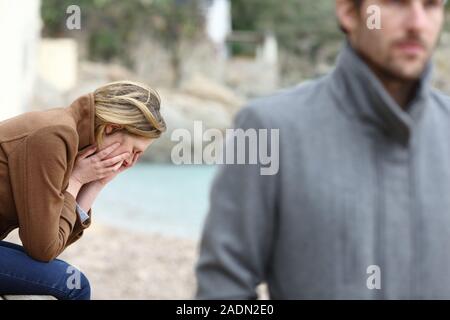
(47, 214)
(79, 227)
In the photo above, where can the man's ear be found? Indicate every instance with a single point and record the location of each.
(347, 15)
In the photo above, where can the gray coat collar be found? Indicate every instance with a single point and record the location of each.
(361, 91)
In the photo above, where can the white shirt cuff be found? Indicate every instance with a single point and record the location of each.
(83, 215)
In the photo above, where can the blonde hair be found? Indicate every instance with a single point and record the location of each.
(132, 105)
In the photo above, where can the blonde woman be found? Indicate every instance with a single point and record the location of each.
(53, 164)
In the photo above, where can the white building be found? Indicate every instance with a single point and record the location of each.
(218, 23)
(20, 26)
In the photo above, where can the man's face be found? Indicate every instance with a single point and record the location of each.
(407, 37)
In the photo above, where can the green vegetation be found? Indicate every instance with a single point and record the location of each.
(112, 25)
(301, 26)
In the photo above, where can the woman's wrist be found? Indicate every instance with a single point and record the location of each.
(96, 185)
(88, 193)
(74, 187)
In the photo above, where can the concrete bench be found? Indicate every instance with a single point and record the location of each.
(24, 297)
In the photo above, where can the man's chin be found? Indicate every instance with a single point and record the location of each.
(407, 71)
(398, 68)
(412, 75)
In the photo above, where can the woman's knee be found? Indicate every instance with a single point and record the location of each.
(23, 275)
(78, 285)
(73, 284)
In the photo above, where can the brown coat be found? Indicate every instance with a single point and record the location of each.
(37, 154)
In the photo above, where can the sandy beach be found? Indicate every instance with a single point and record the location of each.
(124, 264)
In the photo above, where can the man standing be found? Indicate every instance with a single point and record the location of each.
(360, 206)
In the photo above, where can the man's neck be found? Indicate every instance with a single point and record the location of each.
(401, 90)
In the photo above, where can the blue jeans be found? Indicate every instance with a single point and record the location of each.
(22, 275)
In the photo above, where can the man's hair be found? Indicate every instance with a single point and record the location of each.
(357, 4)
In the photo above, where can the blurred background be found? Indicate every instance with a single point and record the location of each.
(206, 58)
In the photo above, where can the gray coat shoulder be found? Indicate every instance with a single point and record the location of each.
(442, 100)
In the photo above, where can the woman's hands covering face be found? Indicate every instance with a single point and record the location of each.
(123, 166)
(96, 166)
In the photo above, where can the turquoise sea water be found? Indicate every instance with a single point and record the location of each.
(168, 199)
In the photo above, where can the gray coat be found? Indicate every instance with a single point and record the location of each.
(361, 183)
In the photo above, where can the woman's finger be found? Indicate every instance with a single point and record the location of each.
(122, 169)
(88, 152)
(116, 167)
(132, 160)
(108, 150)
(107, 171)
(136, 158)
(114, 160)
